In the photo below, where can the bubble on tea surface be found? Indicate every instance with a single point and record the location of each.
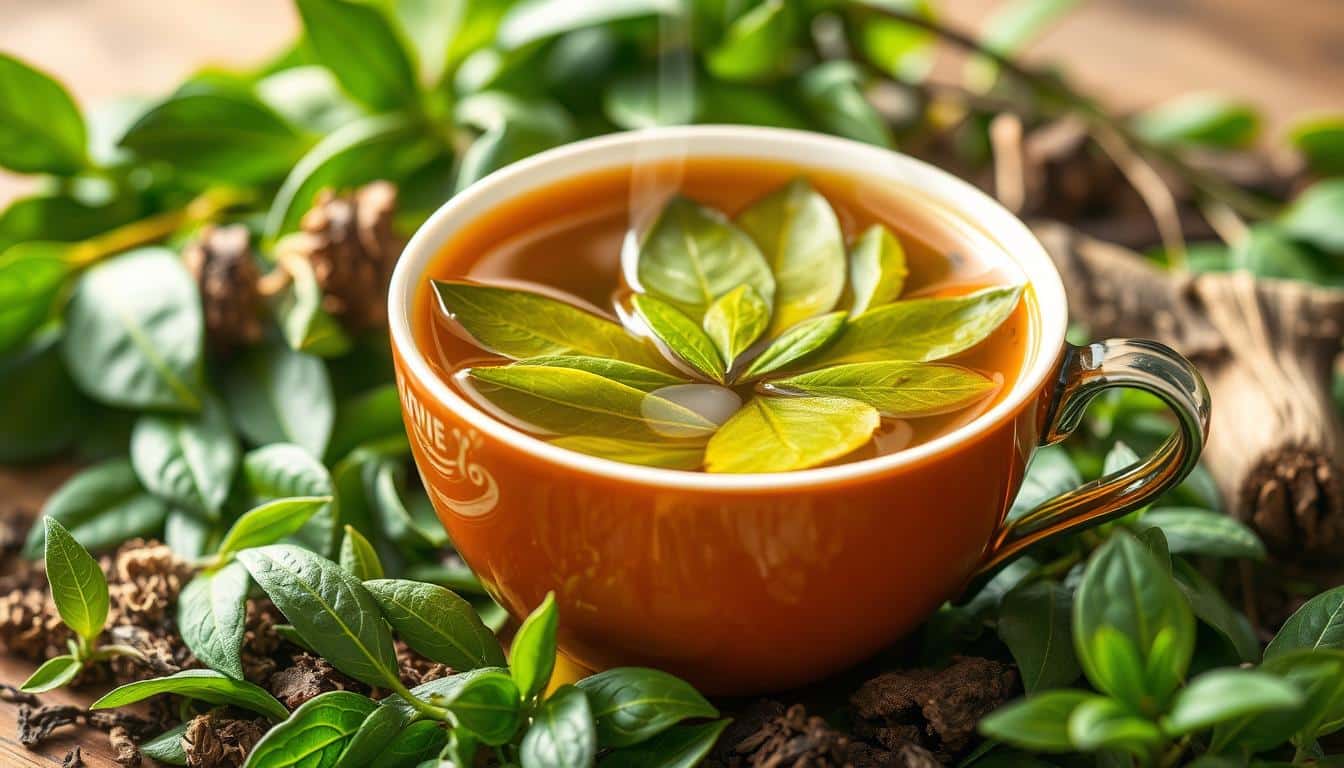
(716, 404)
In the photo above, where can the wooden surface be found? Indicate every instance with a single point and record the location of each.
(1286, 57)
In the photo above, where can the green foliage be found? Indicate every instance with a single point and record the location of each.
(532, 655)
(202, 684)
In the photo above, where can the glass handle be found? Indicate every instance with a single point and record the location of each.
(1085, 373)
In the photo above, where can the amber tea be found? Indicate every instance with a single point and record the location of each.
(758, 318)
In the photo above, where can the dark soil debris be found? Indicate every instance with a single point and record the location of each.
(218, 740)
(124, 750)
(308, 676)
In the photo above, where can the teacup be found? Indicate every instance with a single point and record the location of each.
(750, 583)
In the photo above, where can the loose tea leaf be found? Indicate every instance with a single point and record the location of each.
(532, 655)
(562, 732)
(682, 337)
(77, 584)
(31, 277)
(202, 684)
(693, 255)
(437, 623)
(331, 610)
(211, 614)
(54, 673)
(781, 434)
(315, 735)
(358, 556)
(735, 321)
(877, 269)
(681, 746)
(270, 523)
(921, 330)
(277, 395)
(629, 374)
(521, 324)
(796, 343)
(632, 704)
(649, 454)
(800, 237)
(41, 129)
(189, 461)
(101, 507)
(564, 400)
(896, 389)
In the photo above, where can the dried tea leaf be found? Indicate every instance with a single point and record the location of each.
(780, 434)
(877, 269)
(896, 389)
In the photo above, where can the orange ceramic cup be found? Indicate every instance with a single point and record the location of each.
(749, 583)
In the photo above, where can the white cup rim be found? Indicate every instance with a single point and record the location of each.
(821, 152)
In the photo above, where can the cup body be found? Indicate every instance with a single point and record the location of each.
(740, 584)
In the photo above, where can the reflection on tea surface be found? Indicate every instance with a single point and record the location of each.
(763, 319)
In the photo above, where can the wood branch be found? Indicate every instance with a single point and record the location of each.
(1267, 349)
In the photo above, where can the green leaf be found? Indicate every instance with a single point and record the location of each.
(649, 454)
(877, 269)
(1204, 532)
(78, 586)
(1050, 473)
(896, 389)
(134, 333)
(365, 418)
(377, 732)
(632, 704)
(309, 97)
(1321, 142)
(724, 102)
(532, 655)
(535, 20)
(1319, 623)
(1204, 120)
(32, 275)
(438, 624)
(780, 434)
(755, 43)
(101, 507)
(1271, 251)
(1039, 723)
(1126, 589)
(188, 461)
(1210, 607)
(1010, 28)
(331, 610)
(41, 129)
(54, 673)
(682, 746)
(41, 413)
(681, 335)
(562, 733)
(923, 329)
(1035, 623)
(735, 321)
(629, 374)
(1226, 694)
(650, 99)
(420, 741)
(565, 400)
(168, 747)
(315, 735)
(277, 395)
(211, 616)
(800, 236)
(65, 216)
(306, 326)
(203, 685)
(362, 49)
(521, 324)
(399, 525)
(501, 146)
(388, 146)
(897, 47)
(795, 344)
(358, 556)
(285, 470)
(693, 255)
(833, 93)
(1315, 215)
(1101, 723)
(270, 523)
(484, 701)
(223, 135)
(1319, 677)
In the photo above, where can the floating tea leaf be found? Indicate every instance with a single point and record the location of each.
(897, 389)
(780, 434)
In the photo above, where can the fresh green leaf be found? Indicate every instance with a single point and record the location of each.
(41, 413)
(361, 47)
(134, 333)
(735, 321)
(648, 100)
(420, 741)
(649, 454)
(681, 746)
(306, 326)
(532, 655)
(562, 733)
(1319, 623)
(1200, 120)
(285, 470)
(896, 389)
(501, 146)
(755, 42)
(358, 556)
(277, 395)
(54, 673)
(565, 400)
(779, 434)
(1050, 473)
(65, 216)
(223, 135)
(629, 374)
(1321, 142)
(377, 732)
(211, 617)
(101, 506)
(32, 275)
(1039, 723)
(438, 624)
(521, 324)
(535, 20)
(921, 330)
(485, 702)
(399, 525)
(188, 461)
(315, 735)
(1101, 723)
(899, 48)
(168, 747)
(693, 255)
(270, 522)
(331, 610)
(1226, 694)
(41, 128)
(365, 418)
(1035, 623)
(795, 344)
(78, 586)
(1315, 215)
(1319, 677)
(681, 335)
(308, 97)
(800, 237)
(1010, 28)
(1210, 607)
(877, 269)
(833, 93)
(202, 684)
(1272, 251)
(1204, 532)
(632, 704)
(746, 104)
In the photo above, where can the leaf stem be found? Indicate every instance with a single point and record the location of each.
(418, 704)
(151, 229)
